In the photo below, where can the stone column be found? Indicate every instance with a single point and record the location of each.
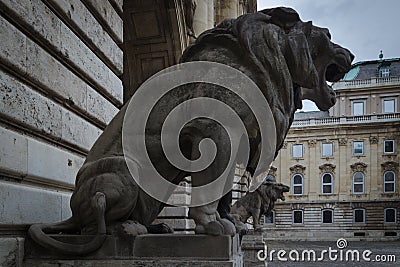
(210, 14)
(225, 9)
(200, 19)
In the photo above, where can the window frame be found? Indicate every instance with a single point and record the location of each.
(273, 218)
(325, 184)
(322, 149)
(354, 152)
(363, 183)
(390, 182)
(302, 151)
(302, 184)
(364, 215)
(394, 99)
(322, 216)
(302, 216)
(384, 146)
(358, 101)
(384, 72)
(395, 215)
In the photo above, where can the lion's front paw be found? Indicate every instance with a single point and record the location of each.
(219, 227)
(132, 228)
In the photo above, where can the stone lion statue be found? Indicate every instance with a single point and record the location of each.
(258, 203)
(287, 58)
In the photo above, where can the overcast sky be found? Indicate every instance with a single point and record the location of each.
(363, 26)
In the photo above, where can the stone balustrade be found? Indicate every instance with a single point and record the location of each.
(347, 120)
(365, 83)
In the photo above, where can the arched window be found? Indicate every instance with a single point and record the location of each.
(358, 183)
(389, 182)
(327, 183)
(327, 216)
(297, 184)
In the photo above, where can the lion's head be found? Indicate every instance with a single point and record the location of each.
(312, 58)
(275, 190)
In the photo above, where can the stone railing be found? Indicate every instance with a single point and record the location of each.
(372, 82)
(347, 120)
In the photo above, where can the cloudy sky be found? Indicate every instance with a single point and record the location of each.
(363, 26)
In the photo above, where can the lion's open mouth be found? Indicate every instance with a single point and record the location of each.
(284, 190)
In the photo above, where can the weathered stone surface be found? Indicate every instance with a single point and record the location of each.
(53, 77)
(104, 11)
(78, 131)
(28, 107)
(13, 153)
(76, 51)
(13, 45)
(25, 157)
(51, 164)
(47, 71)
(82, 20)
(61, 39)
(11, 251)
(24, 204)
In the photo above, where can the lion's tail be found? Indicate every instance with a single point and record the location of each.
(37, 233)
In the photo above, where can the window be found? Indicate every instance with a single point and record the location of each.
(389, 182)
(358, 148)
(297, 216)
(297, 182)
(358, 107)
(297, 151)
(384, 72)
(327, 216)
(327, 183)
(270, 218)
(359, 215)
(358, 183)
(327, 149)
(390, 215)
(389, 105)
(388, 146)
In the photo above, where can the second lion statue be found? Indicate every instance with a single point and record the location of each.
(288, 59)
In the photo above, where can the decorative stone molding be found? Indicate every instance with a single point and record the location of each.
(356, 205)
(328, 206)
(272, 171)
(373, 140)
(327, 167)
(312, 143)
(390, 166)
(297, 206)
(358, 167)
(297, 169)
(342, 141)
(284, 146)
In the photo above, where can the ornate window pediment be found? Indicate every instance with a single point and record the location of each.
(272, 171)
(297, 169)
(358, 167)
(390, 166)
(327, 167)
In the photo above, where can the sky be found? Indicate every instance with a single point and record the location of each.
(365, 27)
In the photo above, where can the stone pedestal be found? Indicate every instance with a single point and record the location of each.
(145, 250)
(251, 244)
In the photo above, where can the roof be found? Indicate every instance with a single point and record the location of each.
(369, 69)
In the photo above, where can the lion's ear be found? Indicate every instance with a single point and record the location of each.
(299, 60)
(284, 17)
